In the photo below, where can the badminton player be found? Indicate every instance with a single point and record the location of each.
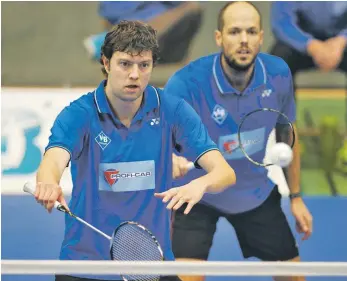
(119, 141)
(222, 88)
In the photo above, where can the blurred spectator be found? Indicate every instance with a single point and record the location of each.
(176, 24)
(310, 34)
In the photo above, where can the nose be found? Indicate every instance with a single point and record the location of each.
(134, 72)
(244, 37)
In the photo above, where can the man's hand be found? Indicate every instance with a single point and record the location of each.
(180, 166)
(190, 193)
(47, 194)
(303, 217)
(327, 55)
(321, 54)
(337, 46)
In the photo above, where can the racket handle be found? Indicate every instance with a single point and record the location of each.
(29, 188)
(190, 166)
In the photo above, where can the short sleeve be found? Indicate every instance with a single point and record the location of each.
(69, 130)
(190, 134)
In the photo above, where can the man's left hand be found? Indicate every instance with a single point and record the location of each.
(303, 217)
(190, 193)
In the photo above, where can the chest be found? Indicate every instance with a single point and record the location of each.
(116, 143)
(223, 113)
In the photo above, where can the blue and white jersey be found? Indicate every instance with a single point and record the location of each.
(203, 84)
(116, 170)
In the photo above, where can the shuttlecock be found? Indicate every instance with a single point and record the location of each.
(281, 154)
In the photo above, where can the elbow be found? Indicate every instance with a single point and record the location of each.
(229, 179)
(232, 176)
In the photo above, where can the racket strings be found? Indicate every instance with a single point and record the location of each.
(256, 135)
(132, 243)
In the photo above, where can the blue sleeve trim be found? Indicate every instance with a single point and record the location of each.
(201, 154)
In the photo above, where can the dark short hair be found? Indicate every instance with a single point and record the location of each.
(222, 11)
(131, 37)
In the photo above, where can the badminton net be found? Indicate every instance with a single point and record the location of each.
(169, 268)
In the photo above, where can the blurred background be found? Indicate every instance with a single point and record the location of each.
(49, 58)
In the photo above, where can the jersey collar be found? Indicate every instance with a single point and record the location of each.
(224, 87)
(151, 101)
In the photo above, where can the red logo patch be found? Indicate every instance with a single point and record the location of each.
(229, 146)
(109, 176)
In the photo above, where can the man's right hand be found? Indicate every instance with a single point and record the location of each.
(47, 194)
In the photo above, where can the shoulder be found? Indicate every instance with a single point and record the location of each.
(274, 65)
(81, 109)
(169, 104)
(199, 68)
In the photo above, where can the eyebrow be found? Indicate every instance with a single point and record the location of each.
(240, 28)
(129, 60)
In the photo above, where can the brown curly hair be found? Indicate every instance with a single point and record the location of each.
(132, 37)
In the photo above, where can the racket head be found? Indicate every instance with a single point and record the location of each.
(132, 241)
(258, 119)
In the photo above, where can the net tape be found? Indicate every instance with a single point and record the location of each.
(208, 268)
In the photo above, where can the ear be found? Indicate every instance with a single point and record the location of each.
(261, 37)
(106, 63)
(218, 38)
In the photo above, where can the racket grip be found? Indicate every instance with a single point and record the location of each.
(29, 188)
(190, 166)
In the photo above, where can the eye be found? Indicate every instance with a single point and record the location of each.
(253, 32)
(145, 65)
(234, 32)
(124, 63)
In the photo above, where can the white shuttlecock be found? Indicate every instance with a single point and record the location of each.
(281, 154)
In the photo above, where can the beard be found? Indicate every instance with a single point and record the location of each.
(232, 63)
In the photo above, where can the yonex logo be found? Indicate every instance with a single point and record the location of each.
(155, 121)
(266, 93)
(102, 140)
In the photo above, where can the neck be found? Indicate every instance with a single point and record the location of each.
(238, 79)
(123, 110)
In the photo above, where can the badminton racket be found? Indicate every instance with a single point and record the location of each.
(130, 241)
(252, 136)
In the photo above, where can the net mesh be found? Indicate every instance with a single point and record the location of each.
(131, 242)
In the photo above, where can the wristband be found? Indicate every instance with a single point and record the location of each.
(294, 195)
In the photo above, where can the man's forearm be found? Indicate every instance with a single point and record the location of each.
(285, 27)
(218, 179)
(53, 165)
(49, 172)
(293, 170)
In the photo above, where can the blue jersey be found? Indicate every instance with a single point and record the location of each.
(203, 84)
(116, 170)
(115, 11)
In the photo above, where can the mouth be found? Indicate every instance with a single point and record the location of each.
(132, 87)
(244, 51)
